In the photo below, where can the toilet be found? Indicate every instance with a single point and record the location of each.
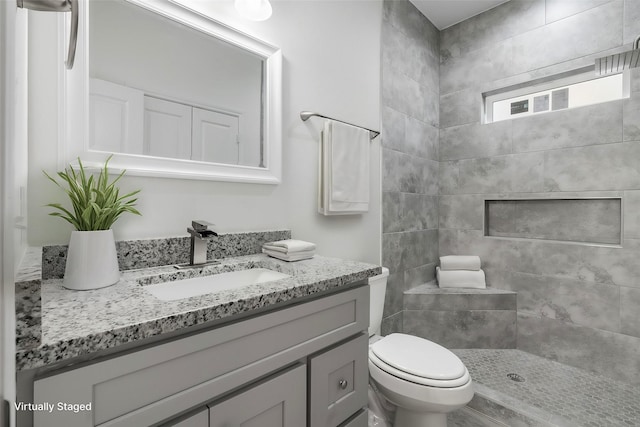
(422, 379)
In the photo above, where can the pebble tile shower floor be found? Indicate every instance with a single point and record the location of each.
(579, 397)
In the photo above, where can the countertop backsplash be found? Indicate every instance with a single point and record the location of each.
(135, 254)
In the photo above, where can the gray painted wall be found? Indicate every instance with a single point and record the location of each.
(577, 303)
(410, 84)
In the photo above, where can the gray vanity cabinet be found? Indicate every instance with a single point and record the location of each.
(323, 338)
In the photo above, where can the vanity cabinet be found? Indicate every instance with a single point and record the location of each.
(252, 371)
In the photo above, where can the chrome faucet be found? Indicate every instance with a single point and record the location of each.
(200, 234)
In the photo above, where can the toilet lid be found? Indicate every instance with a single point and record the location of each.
(418, 357)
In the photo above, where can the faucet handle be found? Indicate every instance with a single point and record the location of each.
(200, 225)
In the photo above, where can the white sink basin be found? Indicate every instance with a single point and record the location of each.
(186, 288)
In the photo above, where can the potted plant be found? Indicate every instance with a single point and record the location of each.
(92, 260)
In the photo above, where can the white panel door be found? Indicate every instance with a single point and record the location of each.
(115, 117)
(215, 137)
(167, 129)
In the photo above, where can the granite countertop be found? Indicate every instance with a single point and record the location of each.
(79, 323)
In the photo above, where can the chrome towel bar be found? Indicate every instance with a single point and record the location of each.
(306, 115)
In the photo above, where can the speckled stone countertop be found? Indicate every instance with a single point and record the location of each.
(78, 323)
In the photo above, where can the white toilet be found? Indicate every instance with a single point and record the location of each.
(422, 379)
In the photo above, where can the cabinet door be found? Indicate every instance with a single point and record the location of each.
(338, 383)
(116, 117)
(167, 129)
(277, 402)
(215, 137)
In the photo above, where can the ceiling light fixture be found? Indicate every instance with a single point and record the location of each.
(254, 10)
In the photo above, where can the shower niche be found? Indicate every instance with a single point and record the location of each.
(576, 220)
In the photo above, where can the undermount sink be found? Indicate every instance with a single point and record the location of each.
(185, 288)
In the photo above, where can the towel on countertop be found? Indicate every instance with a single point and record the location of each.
(460, 262)
(289, 246)
(297, 256)
(460, 278)
(343, 169)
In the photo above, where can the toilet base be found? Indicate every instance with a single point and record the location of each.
(406, 418)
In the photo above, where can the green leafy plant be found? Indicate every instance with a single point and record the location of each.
(96, 202)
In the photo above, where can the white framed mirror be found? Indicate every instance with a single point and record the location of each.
(171, 93)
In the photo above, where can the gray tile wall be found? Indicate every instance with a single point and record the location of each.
(577, 304)
(461, 318)
(410, 173)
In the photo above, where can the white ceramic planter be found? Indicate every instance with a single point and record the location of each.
(92, 261)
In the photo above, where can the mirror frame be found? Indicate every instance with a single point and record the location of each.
(73, 114)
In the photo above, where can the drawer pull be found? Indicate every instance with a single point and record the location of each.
(343, 384)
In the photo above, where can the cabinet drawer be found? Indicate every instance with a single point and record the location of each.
(338, 383)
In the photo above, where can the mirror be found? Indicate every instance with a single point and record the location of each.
(173, 93)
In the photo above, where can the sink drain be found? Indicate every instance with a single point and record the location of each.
(515, 377)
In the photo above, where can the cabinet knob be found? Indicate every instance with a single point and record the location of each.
(343, 384)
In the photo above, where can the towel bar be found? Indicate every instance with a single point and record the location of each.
(305, 115)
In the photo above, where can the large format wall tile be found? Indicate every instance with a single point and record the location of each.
(631, 120)
(559, 9)
(492, 26)
(592, 31)
(513, 173)
(393, 129)
(475, 140)
(402, 93)
(409, 212)
(629, 309)
(409, 174)
(421, 139)
(595, 124)
(599, 167)
(460, 108)
(410, 134)
(459, 299)
(607, 353)
(461, 212)
(463, 329)
(632, 214)
(470, 70)
(567, 300)
(631, 20)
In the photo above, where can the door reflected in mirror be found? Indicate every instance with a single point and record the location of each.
(162, 89)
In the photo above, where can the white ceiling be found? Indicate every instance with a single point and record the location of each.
(445, 13)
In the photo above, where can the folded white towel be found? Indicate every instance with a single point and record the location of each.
(290, 257)
(460, 278)
(290, 246)
(343, 169)
(460, 262)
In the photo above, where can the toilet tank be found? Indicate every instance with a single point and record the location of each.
(377, 290)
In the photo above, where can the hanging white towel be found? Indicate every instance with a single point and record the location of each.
(460, 262)
(343, 181)
(460, 278)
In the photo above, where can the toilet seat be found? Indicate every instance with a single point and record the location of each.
(419, 361)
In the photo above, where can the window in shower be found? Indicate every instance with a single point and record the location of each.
(561, 92)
